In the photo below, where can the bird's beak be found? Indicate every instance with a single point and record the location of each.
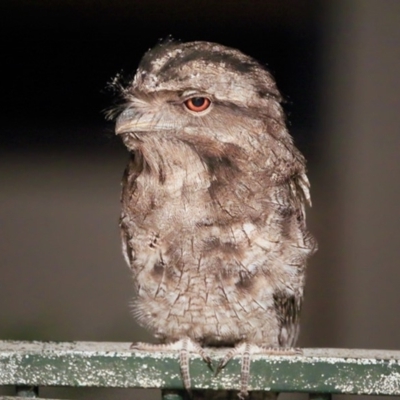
(132, 121)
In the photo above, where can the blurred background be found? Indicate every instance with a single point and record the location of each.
(337, 63)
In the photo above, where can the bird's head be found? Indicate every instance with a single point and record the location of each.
(184, 91)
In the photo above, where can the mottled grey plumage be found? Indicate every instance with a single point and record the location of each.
(213, 201)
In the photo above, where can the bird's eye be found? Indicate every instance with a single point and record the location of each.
(197, 104)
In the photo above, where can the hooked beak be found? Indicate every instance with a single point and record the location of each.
(132, 121)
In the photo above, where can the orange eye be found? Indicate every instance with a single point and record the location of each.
(197, 104)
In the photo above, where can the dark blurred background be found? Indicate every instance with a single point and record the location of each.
(337, 64)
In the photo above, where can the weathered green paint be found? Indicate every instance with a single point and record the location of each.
(20, 398)
(86, 364)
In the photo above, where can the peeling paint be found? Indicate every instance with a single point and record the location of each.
(85, 364)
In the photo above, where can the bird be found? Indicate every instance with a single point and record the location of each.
(213, 204)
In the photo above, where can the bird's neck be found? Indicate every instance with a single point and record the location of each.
(171, 163)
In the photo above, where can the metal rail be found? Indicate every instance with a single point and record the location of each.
(29, 365)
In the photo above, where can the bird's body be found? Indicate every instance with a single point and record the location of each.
(213, 220)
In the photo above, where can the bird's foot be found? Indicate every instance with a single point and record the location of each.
(246, 350)
(184, 346)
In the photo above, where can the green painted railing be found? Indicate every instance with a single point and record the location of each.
(319, 372)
